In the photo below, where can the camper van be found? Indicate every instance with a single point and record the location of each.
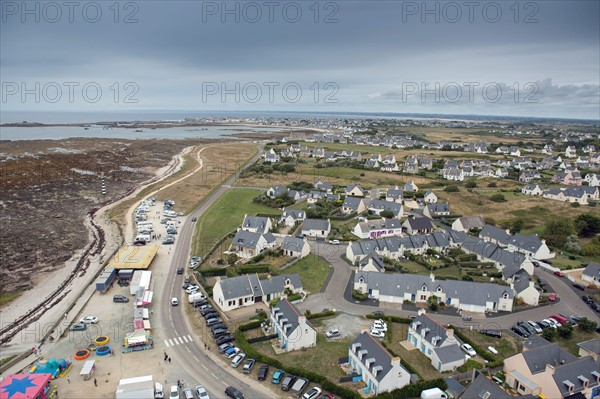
(142, 238)
(169, 214)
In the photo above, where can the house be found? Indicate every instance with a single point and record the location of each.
(589, 348)
(355, 190)
(455, 174)
(545, 369)
(509, 263)
(468, 223)
(501, 173)
(316, 227)
(235, 292)
(410, 187)
(412, 165)
(569, 178)
(430, 197)
(293, 329)
(592, 179)
(315, 196)
(271, 156)
(296, 195)
(515, 151)
(482, 387)
(395, 194)
(371, 263)
(436, 342)
(436, 210)
(467, 296)
(353, 204)
(276, 191)
(247, 244)
(570, 152)
(418, 226)
(379, 370)
(494, 234)
(529, 245)
(295, 247)
(378, 206)
(524, 287)
(257, 224)
(291, 217)
(322, 186)
(380, 228)
(532, 189)
(591, 274)
(371, 164)
(318, 153)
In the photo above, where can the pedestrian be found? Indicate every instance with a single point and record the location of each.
(68, 380)
(178, 384)
(65, 316)
(152, 311)
(169, 360)
(95, 382)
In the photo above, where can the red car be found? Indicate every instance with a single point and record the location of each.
(559, 273)
(552, 297)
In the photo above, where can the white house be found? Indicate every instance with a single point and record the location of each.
(316, 227)
(591, 274)
(467, 223)
(592, 179)
(418, 226)
(295, 247)
(355, 190)
(532, 189)
(378, 228)
(570, 152)
(436, 342)
(436, 210)
(247, 244)
(379, 370)
(410, 187)
(378, 206)
(290, 217)
(455, 174)
(293, 330)
(371, 263)
(353, 204)
(395, 194)
(236, 292)
(276, 191)
(257, 224)
(524, 287)
(430, 197)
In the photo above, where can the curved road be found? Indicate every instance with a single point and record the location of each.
(194, 363)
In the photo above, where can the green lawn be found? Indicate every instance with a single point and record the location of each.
(312, 270)
(6, 297)
(224, 216)
(7, 359)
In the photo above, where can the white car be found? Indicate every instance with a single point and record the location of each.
(192, 289)
(468, 349)
(379, 326)
(174, 302)
(201, 392)
(334, 242)
(377, 334)
(89, 320)
(380, 321)
(493, 350)
(312, 393)
(553, 323)
(237, 360)
(174, 392)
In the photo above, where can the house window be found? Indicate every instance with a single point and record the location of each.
(439, 289)
(423, 297)
(429, 351)
(424, 288)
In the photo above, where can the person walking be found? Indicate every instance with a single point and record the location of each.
(169, 360)
(95, 382)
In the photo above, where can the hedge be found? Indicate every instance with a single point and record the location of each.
(322, 314)
(249, 269)
(312, 376)
(395, 319)
(250, 326)
(414, 390)
(493, 361)
(213, 272)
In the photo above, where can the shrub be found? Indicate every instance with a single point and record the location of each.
(470, 365)
(359, 296)
(575, 205)
(451, 189)
(587, 325)
(471, 184)
(492, 184)
(550, 334)
(327, 313)
(498, 198)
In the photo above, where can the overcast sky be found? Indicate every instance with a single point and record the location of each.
(540, 58)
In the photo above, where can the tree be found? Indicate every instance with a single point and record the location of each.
(572, 244)
(586, 325)
(387, 214)
(565, 331)
(231, 258)
(592, 248)
(556, 231)
(516, 225)
(498, 198)
(550, 334)
(587, 224)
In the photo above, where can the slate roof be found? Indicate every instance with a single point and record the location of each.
(294, 213)
(316, 224)
(494, 233)
(537, 358)
(352, 202)
(592, 345)
(374, 259)
(438, 239)
(467, 292)
(255, 222)
(382, 205)
(592, 270)
(481, 387)
(521, 280)
(376, 351)
(290, 313)
(379, 224)
(472, 222)
(352, 186)
(396, 193)
(420, 223)
(433, 330)
(449, 354)
(292, 244)
(249, 239)
(276, 284)
(529, 242)
(438, 208)
(279, 190)
(574, 371)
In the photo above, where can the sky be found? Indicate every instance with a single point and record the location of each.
(514, 58)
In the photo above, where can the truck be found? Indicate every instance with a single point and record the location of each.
(433, 393)
(105, 280)
(196, 297)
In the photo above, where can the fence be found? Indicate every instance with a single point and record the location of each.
(262, 339)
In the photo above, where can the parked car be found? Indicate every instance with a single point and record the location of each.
(544, 324)
(201, 392)
(263, 372)
(229, 353)
(218, 326)
(492, 333)
(377, 325)
(234, 393)
(327, 396)
(224, 347)
(595, 307)
(587, 299)
(559, 273)
(188, 393)
(533, 324)
(468, 349)
(377, 313)
(168, 241)
(332, 333)
(552, 297)
(334, 242)
(248, 366)
(579, 286)
(526, 327)
(174, 393)
(212, 321)
(377, 334)
(312, 393)
(77, 327)
(219, 332)
(192, 289)
(553, 322)
(209, 314)
(237, 360)
(287, 382)
(299, 386)
(520, 331)
(223, 339)
(120, 299)
(277, 376)
(561, 319)
(89, 320)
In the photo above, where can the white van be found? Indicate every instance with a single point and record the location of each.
(433, 393)
(158, 391)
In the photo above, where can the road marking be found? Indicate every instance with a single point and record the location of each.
(188, 349)
(190, 338)
(223, 382)
(185, 339)
(214, 375)
(171, 342)
(177, 340)
(167, 344)
(202, 364)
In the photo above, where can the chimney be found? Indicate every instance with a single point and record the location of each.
(432, 277)
(421, 311)
(395, 361)
(450, 333)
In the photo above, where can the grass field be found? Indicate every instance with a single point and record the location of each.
(7, 297)
(224, 216)
(312, 270)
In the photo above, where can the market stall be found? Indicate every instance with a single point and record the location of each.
(88, 369)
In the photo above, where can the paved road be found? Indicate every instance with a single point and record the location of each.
(197, 364)
(333, 297)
